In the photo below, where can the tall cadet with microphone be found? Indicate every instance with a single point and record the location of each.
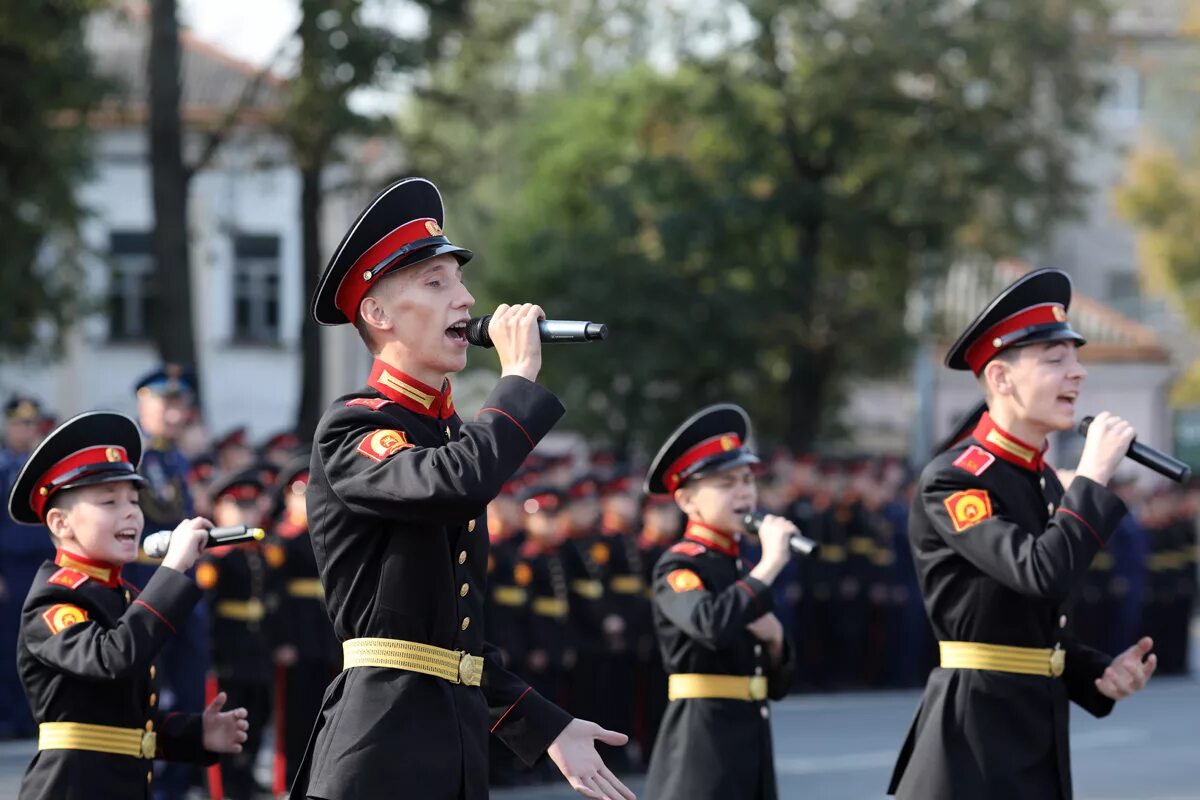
(397, 496)
(999, 547)
(723, 649)
(88, 637)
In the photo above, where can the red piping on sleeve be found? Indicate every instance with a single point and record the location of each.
(514, 422)
(154, 611)
(1085, 524)
(749, 591)
(528, 689)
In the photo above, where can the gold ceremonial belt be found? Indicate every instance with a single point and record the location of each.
(591, 590)
(454, 666)
(626, 584)
(509, 595)
(240, 610)
(97, 738)
(725, 687)
(305, 587)
(549, 607)
(1040, 661)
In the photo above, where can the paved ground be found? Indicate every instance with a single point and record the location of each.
(841, 747)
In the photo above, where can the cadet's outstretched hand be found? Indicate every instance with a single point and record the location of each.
(224, 731)
(1129, 671)
(574, 753)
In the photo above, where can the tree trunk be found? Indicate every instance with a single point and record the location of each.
(172, 323)
(311, 353)
(808, 388)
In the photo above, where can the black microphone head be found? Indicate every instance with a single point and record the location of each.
(1084, 424)
(753, 521)
(596, 331)
(477, 331)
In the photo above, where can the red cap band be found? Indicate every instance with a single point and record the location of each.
(362, 275)
(992, 342)
(101, 454)
(709, 447)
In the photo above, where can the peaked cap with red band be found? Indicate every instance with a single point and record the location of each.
(1032, 309)
(401, 227)
(242, 486)
(711, 440)
(92, 448)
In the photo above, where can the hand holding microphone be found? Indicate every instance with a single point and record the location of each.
(797, 542)
(180, 548)
(1109, 439)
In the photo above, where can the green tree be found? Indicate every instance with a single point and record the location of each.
(342, 51)
(49, 86)
(748, 218)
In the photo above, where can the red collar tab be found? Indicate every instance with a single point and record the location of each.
(100, 571)
(1008, 447)
(711, 537)
(410, 392)
(83, 462)
(380, 257)
(677, 472)
(1011, 330)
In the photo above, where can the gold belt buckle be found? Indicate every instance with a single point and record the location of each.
(1058, 661)
(470, 669)
(149, 744)
(758, 687)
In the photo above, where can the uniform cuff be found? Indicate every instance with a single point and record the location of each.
(1095, 507)
(762, 599)
(169, 596)
(528, 407)
(530, 726)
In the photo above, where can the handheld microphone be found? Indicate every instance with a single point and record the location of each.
(797, 541)
(550, 330)
(155, 545)
(1163, 464)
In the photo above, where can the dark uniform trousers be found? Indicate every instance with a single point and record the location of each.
(713, 748)
(397, 493)
(998, 548)
(85, 656)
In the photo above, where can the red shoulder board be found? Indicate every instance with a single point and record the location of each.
(373, 403)
(72, 579)
(688, 548)
(975, 460)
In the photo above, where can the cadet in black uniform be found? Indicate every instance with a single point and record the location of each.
(88, 638)
(235, 579)
(998, 546)
(396, 499)
(662, 524)
(724, 651)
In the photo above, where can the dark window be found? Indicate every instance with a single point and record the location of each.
(256, 289)
(131, 295)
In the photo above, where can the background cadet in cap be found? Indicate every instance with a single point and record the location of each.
(88, 637)
(397, 495)
(999, 546)
(165, 401)
(719, 639)
(20, 557)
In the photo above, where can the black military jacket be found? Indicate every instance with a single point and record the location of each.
(298, 616)
(235, 581)
(397, 491)
(998, 547)
(703, 600)
(88, 640)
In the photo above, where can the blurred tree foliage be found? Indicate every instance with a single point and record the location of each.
(343, 50)
(743, 190)
(48, 86)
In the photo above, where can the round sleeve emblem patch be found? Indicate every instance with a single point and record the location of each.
(968, 507)
(684, 580)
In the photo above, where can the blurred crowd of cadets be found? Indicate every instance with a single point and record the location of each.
(574, 542)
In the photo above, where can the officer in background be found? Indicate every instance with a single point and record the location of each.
(235, 581)
(21, 554)
(662, 524)
(550, 650)
(306, 653)
(585, 557)
(165, 401)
